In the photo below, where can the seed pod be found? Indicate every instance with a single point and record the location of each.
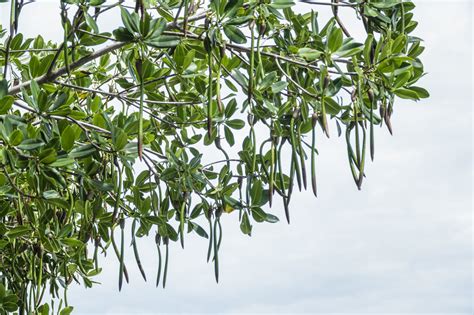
(209, 127)
(216, 253)
(339, 129)
(165, 272)
(350, 154)
(313, 154)
(272, 173)
(287, 209)
(158, 241)
(388, 122)
(211, 239)
(182, 216)
(294, 147)
(372, 141)
(207, 44)
(122, 251)
(302, 157)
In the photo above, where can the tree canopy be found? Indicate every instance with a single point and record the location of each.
(190, 110)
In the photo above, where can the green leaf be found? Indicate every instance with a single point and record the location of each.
(406, 94)
(368, 48)
(16, 137)
(83, 151)
(51, 194)
(282, 4)
(68, 136)
(48, 156)
(334, 41)
(163, 41)
(279, 86)
(309, 53)
(18, 231)
(270, 218)
(235, 123)
(198, 229)
(6, 102)
(62, 162)
(3, 88)
(245, 225)
(91, 23)
(131, 21)
(159, 26)
(234, 34)
(119, 139)
(256, 192)
(30, 144)
(421, 92)
(123, 35)
(349, 49)
(267, 81)
(332, 107)
(66, 311)
(93, 3)
(229, 136)
(258, 214)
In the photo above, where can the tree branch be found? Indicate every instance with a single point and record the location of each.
(96, 54)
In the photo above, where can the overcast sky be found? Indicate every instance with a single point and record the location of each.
(401, 245)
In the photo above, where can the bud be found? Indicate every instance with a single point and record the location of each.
(207, 44)
(222, 50)
(314, 119)
(353, 96)
(250, 119)
(219, 211)
(327, 80)
(296, 113)
(371, 96)
(262, 27)
(138, 66)
(276, 139)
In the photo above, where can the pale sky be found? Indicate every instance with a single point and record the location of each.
(401, 245)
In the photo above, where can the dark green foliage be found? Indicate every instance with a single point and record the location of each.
(104, 132)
